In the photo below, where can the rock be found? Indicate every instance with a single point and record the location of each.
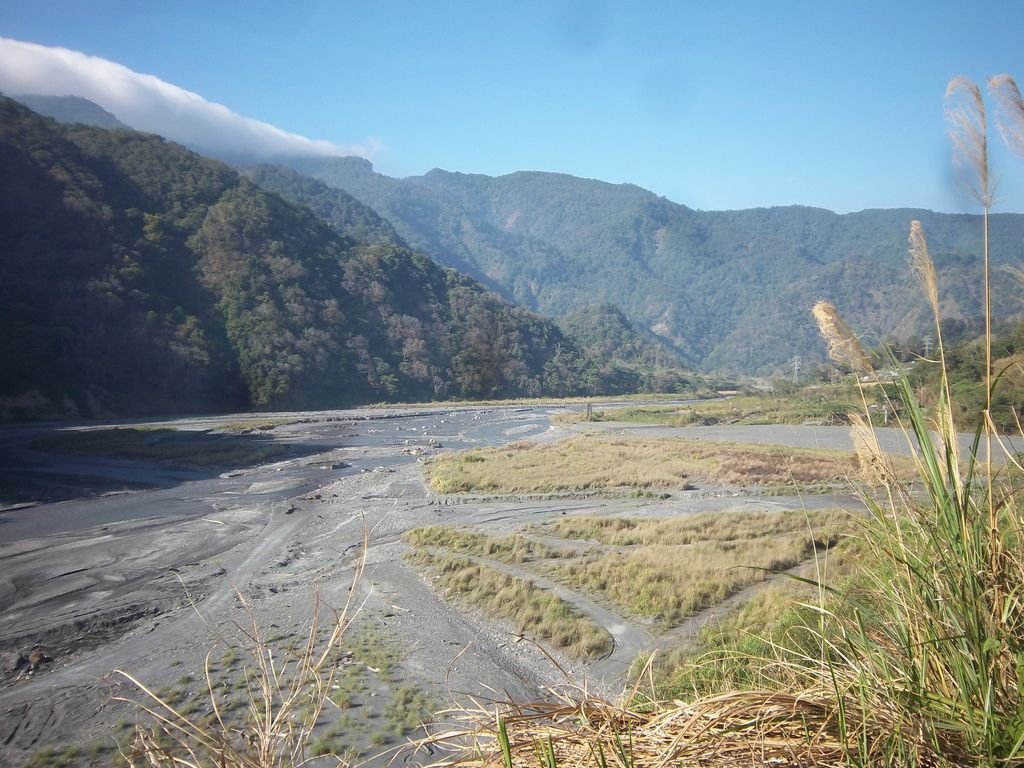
(36, 658)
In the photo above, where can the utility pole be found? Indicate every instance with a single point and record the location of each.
(926, 344)
(796, 369)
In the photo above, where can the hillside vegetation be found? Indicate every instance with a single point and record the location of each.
(336, 207)
(140, 277)
(630, 359)
(965, 372)
(729, 289)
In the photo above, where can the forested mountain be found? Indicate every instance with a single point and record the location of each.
(731, 290)
(140, 277)
(337, 207)
(631, 359)
(606, 333)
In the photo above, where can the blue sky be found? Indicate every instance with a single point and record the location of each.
(713, 104)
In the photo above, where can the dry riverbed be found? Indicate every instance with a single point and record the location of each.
(112, 564)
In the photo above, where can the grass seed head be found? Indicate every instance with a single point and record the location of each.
(843, 345)
(968, 131)
(1010, 111)
(923, 266)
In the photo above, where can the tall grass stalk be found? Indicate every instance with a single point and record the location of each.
(284, 694)
(931, 642)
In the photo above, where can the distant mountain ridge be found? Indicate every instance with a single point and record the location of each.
(630, 358)
(142, 278)
(70, 109)
(731, 290)
(728, 290)
(335, 206)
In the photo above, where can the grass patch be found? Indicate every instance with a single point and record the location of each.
(644, 493)
(323, 746)
(668, 583)
(730, 652)
(533, 610)
(724, 526)
(590, 463)
(825, 405)
(49, 757)
(253, 425)
(182, 448)
(515, 548)
(408, 709)
(375, 650)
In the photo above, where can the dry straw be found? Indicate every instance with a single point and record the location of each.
(755, 728)
(922, 265)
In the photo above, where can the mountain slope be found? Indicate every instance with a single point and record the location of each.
(338, 208)
(605, 333)
(730, 289)
(70, 109)
(143, 278)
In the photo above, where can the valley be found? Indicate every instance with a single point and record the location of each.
(672, 418)
(148, 567)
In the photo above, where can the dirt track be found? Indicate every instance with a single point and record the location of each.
(105, 582)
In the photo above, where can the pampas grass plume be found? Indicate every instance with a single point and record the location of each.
(923, 266)
(1010, 114)
(965, 111)
(843, 345)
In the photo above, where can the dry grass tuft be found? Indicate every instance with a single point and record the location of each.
(744, 728)
(923, 266)
(669, 583)
(282, 695)
(968, 130)
(877, 468)
(534, 611)
(729, 525)
(1011, 110)
(509, 549)
(599, 463)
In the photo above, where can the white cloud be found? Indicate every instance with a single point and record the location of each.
(147, 103)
